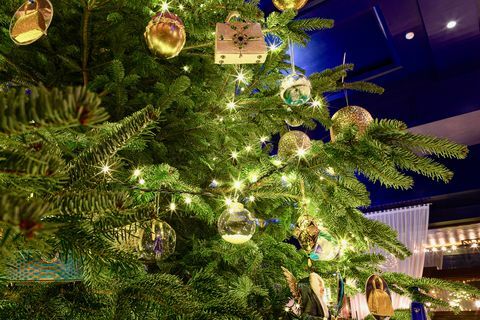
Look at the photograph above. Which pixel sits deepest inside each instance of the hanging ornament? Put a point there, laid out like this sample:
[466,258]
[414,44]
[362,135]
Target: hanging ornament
[289,4]
[295,89]
[348,116]
[340,294]
[308,295]
[378,297]
[306,231]
[326,248]
[158,241]
[31,21]
[165,35]
[239,42]
[293,142]
[419,312]
[236,224]
[292,122]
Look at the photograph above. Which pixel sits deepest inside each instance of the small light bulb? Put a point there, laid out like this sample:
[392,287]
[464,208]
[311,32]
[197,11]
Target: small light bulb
[263,139]
[237,184]
[277,162]
[474,245]
[274,46]
[428,304]
[231,105]
[315,104]
[106,169]
[409,35]
[141,182]
[240,77]
[477,304]
[287,309]
[454,247]
[137,172]
[214,184]
[186,68]
[248,148]
[31,195]
[234,155]
[181,7]
[165,6]
[173,206]
[301,152]
[444,249]
[253,178]
[251,198]
[434,249]
[188,200]
[228,201]
[451,24]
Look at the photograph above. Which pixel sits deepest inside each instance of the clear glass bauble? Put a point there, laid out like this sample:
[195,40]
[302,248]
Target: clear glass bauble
[236,224]
[326,248]
[158,241]
[295,90]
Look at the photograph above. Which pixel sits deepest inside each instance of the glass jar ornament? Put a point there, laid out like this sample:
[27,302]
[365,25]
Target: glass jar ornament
[350,116]
[236,224]
[158,241]
[31,21]
[165,35]
[293,143]
[295,90]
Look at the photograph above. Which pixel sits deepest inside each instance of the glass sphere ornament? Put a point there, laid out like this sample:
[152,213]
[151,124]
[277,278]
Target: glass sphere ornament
[236,224]
[348,116]
[390,262]
[293,142]
[326,248]
[289,4]
[31,21]
[295,90]
[158,241]
[306,231]
[165,35]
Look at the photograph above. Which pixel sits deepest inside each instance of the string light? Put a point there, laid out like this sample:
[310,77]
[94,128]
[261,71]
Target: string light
[214,183]
[186,68]
[253,177]
[172,206]
[263,139]
[248,148]
[228,201]
[301,152]
[188,200]
[474,245]
[454,247]
[234,155]
[277,162]
[165,6]
[251,198]
[316,104]
[141,182]
[137,172]
[231,105]
[241,77]
[181,7]
[237,184]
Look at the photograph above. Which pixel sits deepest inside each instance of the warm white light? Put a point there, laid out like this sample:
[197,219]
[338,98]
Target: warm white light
[274,46]
[409,35]
[234,155]
[444,248]
[454,247]
[214,183]
[228,201]
[106,169]
[301,152]
[451,24]
[315,104]
[477,304]
[253,177]
[173,206]
[474,245]
[248,148]
[181,7]
[141,182]
[277,162]
[240,77]
[263,139]
[164,6]
[434,249]
[428,304]
[137,172]
[186,68]
[330,171]
[231,105]
[237,184]
[188,200]
[251,198]
[287,309]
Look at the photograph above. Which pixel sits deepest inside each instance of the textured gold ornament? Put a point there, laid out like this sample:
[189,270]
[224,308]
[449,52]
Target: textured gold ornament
[165,35]
[289,4]
[348,116]
[31,22]
[291,142]
[306,231]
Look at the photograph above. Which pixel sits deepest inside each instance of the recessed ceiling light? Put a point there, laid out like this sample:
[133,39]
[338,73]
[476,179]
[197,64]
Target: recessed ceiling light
[451,24]
[409,35]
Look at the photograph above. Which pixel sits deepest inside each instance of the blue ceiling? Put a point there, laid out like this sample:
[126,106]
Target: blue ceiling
[433,76]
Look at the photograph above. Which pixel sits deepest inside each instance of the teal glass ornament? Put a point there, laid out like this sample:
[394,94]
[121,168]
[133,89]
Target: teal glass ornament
[295,90]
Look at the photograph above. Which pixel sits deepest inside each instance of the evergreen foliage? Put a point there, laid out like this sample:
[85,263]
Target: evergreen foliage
[67,182]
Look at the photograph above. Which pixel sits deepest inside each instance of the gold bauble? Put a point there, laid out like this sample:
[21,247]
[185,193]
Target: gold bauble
[291,142]
[348,116]
[31,22]
[165,35]
[289,4]
[306,231]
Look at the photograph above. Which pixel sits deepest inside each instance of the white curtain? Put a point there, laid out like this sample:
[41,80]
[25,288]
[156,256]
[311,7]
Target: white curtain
[411,223]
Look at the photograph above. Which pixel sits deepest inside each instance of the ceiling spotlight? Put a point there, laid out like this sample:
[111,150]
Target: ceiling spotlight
[451,24]
[409,35]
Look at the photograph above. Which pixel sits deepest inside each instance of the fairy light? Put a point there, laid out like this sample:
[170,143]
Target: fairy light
[316,104]
[186,68]
[474,245]
[287,309]
[237,184]
[454,247]
[228,201]
[188,200]
[240,77]
[165,6]
[172,206]
[477,304]
[251,198]
[214,183]
[274,46]
[434,249]
[263,139]
[277,162]
[253,177]
[301,152]
[248,148]
[234,155]
[231,105]
[141,182]
[444,248]
[181,7]
[137,172]
[330,171]
[106,169]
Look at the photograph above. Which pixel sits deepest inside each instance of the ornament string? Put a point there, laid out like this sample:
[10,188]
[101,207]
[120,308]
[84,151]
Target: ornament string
[343,79]
[292,56]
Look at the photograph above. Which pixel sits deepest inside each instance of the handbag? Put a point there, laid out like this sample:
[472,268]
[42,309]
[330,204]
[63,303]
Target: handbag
[29,26]
[379,302]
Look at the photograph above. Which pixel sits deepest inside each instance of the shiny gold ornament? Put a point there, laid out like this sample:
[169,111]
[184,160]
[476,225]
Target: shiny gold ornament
[306,231]
[31,21]
[289,4]
[165,35]
[293,143]
[348,116]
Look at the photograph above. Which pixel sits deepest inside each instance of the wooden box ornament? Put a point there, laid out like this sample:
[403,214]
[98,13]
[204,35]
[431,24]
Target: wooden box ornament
[239,42]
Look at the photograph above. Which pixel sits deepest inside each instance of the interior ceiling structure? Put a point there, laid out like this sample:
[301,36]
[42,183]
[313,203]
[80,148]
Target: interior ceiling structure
[431,81]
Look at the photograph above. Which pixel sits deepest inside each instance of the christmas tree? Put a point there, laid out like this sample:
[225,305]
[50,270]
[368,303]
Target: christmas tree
[104,142]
